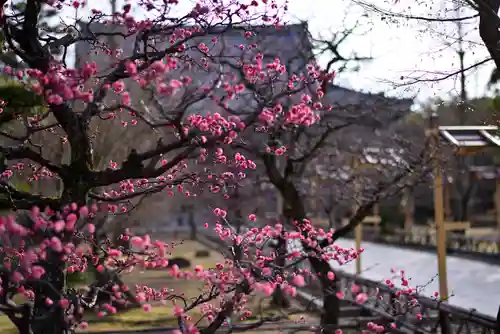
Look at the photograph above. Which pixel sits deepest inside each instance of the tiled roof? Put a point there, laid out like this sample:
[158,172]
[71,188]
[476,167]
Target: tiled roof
[287,42]
[383,156]
[486,172]
[290,43]
[471,136]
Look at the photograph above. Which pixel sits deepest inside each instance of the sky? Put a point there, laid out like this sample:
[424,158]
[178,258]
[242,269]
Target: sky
[401,49]
[404,48]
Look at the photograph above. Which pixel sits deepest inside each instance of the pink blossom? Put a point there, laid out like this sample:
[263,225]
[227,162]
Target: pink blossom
[178,311]
[37,272]
[299,281]
[137,242]
[56,244]
[64,303]
[84,211]
[59,225]
[111,100]
[361,298]
[17,277]
[71,221]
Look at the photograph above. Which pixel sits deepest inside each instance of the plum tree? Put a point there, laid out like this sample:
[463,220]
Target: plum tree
[180,94]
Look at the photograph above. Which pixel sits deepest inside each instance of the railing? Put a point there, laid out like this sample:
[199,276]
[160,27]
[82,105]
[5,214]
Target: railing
[485,248]
[416,313]
[403,313]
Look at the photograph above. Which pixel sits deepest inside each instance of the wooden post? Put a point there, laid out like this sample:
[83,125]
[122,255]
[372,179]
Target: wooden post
[314,207]
[279,205]
[332,219]
[447,201]
[497,204]
[497,329]
[408,209]
[439,208]
[376,213]
[113,45]
[280,201]
[359,236]
[359,229]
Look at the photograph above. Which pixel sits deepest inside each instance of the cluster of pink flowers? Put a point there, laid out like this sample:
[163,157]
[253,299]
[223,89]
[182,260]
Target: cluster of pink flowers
[60,85]
[67,236]
[73,233]
[67,239]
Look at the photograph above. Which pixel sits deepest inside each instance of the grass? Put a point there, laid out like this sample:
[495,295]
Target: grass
[158,279]
[161,315]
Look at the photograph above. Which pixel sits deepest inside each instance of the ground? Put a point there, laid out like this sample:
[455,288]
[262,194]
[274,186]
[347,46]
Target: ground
[162,315]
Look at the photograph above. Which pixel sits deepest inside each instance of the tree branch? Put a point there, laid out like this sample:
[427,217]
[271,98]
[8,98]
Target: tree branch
[381,188]
[11,198]
[134,169]
[319,144]
[381,11]
[26,153]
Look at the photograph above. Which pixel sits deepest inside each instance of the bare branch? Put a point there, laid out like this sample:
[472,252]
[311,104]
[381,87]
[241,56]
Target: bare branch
[378,10]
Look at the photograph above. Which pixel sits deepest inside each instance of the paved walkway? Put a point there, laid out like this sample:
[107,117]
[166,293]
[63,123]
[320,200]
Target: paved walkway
[474,284]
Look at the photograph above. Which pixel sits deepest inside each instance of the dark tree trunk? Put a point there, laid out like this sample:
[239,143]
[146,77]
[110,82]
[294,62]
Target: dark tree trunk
[331,304]
[279,299]
[192,225]
[488,30]
[465,186]
[464,202]
[107,280]
[49,327]
[331,218]
[294,211]
[464,209]
[50,319]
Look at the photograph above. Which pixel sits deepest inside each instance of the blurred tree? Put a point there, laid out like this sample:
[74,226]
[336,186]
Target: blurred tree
[48,24]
